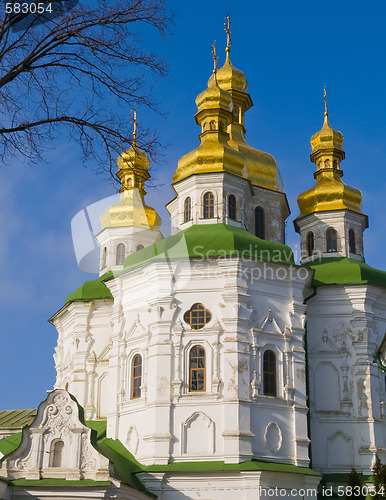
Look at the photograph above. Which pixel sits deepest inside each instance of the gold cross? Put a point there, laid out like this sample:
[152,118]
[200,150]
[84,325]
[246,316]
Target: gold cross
[134,118]
[325,99]
[227,23]
[214,52]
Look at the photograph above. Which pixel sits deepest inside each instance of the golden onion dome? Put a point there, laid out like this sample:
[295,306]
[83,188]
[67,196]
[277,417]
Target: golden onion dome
[329,191]
[133,166]
[327,138]
[230,78]
[214,153]
[261,168]
[214,98]
[133,157]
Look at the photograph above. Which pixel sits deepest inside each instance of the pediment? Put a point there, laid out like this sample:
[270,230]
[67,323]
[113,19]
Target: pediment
[325,345]
[270,325]
[57,444]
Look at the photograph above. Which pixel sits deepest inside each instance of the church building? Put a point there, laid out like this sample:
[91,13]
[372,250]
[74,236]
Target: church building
[208,364]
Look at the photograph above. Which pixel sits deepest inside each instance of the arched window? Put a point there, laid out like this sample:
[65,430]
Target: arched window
[310,243]
[104,258]
[269,373]
[197,369]
[208,205]
[187,209]
[120,258]
[136,377]
[232,206]
[57,454]
[259,223]
[212,125]
[331,240]
[351,241]
[139,247]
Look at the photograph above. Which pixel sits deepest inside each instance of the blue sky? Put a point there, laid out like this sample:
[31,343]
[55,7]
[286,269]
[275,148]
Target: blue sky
[288,50]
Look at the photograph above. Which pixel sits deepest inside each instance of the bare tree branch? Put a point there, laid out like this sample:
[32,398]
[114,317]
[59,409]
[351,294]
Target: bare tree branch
[83,70]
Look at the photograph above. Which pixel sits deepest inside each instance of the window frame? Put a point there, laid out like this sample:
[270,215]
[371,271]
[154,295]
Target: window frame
[134,377]
[187,209]
[310,251]
[331,233]
[259,213]
[197,369]
[208,211]
[232,207]
[119,246]
[104,257]
[270,373]
[352,246]
[207,316]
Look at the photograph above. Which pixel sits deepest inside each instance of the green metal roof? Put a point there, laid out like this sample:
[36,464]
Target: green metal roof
[196,242]
[344,271]
[15,419]
[249,465]
[91,290]
[10,443]
[212,241]
[124,464]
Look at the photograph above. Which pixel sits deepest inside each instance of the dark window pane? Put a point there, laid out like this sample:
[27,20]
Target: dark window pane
[259,222]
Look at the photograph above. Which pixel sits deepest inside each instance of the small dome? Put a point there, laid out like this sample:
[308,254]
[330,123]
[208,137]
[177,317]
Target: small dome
[214,97]
[327,138]
[230,78]
[133,157]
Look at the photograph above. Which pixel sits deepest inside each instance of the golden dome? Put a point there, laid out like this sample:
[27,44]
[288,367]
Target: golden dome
[327,138]
[214,154]
[131,211]
[261,168]
[329,191]
[214,97]
[133,157]
[230,78]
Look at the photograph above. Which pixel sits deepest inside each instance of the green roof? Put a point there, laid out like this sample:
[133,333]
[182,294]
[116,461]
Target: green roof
[10,443]
[91,290]
[212,240]
[124,464]
[15,419]
[249,465]
[344,271]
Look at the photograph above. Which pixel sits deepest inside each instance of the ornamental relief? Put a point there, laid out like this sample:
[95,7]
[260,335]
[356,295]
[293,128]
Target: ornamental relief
[57,421]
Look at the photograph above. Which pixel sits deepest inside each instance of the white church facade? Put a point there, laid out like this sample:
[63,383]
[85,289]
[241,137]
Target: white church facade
[208,364]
